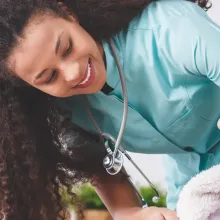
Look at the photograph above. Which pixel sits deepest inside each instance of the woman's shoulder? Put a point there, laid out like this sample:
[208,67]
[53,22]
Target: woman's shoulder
[167,23]
[164,13]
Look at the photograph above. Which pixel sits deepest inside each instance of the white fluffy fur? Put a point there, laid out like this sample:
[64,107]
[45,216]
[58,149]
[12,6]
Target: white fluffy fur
[200,198]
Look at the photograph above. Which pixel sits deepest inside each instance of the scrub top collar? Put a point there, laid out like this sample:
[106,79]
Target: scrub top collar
[113,77]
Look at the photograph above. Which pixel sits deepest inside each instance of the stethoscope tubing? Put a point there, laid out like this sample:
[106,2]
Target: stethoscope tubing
[117,147]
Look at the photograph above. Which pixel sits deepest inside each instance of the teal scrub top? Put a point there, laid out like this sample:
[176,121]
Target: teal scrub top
[170,55]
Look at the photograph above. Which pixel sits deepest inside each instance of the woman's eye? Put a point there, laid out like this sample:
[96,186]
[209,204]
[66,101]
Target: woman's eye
[68,50]
[51,78]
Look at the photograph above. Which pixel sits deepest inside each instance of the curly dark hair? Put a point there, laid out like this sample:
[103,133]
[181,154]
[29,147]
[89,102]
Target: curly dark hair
[40,149]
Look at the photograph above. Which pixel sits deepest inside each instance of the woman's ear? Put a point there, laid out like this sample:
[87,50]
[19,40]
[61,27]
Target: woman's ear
[68,10]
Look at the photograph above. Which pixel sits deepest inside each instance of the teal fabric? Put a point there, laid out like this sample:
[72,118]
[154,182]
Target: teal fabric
[170,55]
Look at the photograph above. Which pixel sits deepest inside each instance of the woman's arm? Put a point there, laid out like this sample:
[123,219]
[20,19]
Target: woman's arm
[124,204]
[117,194]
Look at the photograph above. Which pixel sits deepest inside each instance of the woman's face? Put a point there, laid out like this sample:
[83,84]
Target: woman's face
[58,57]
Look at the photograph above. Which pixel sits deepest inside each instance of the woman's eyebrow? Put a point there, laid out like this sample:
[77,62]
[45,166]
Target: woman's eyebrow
[58,43]
[56,51]
[40,74]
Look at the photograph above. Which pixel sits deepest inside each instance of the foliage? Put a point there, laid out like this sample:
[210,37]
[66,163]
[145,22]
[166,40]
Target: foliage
[90,198]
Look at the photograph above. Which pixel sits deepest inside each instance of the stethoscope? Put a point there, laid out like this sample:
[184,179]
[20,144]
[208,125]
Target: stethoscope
[113,161]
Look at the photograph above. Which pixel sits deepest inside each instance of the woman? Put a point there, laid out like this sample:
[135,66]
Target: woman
[162,51]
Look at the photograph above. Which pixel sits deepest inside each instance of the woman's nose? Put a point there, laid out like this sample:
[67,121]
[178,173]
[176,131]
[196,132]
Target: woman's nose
[71,72]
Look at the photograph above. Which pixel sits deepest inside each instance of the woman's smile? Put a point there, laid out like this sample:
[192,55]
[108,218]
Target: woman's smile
[89,76]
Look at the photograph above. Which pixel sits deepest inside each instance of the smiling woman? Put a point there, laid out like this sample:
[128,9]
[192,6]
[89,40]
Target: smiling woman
[41,46]
[71,63]
[36,156]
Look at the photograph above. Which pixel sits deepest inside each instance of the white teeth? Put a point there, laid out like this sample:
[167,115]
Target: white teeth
[88,75]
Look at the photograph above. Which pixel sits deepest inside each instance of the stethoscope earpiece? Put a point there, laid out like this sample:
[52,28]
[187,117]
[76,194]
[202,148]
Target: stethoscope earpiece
[155,199]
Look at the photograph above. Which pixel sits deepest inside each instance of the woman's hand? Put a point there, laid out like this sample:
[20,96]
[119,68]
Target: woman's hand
[149,213]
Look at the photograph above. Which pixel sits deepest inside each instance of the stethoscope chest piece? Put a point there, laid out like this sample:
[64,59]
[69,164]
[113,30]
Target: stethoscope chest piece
[112,164]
